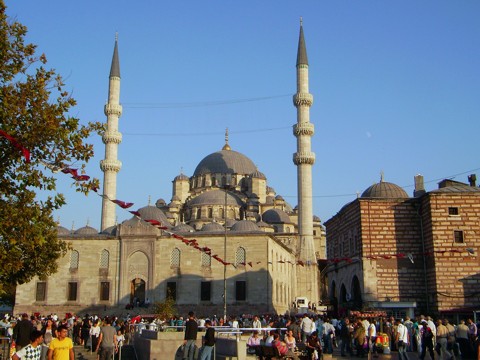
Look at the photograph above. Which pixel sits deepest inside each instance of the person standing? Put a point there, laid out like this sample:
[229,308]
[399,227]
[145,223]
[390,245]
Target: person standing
[461,334]
[22,332]
[442,340]
[346,332]
[427,340]
[191,330]
[61,347]
[32,351]
[307,326]
[208,341]
[107,341]
[402,340]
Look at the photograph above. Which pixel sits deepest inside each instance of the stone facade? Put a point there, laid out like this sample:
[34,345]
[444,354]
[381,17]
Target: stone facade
[406,254]
[226,205]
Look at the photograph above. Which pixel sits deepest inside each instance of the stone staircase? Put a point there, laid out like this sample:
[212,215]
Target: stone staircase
[128,353]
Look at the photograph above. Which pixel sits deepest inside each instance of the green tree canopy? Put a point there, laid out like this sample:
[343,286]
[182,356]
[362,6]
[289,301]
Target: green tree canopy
[34,115]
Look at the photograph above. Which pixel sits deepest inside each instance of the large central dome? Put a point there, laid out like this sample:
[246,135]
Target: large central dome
[225,162]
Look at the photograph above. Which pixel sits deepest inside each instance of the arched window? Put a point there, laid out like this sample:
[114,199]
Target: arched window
[199,213]
[234,181]
[222,213]
[214,181]
[104,259]
[175,258]
[240,256]
[224,180]
[206,260]
[74,259]
[210,213]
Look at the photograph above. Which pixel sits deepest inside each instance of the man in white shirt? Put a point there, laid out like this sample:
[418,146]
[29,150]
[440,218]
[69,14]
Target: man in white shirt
[401,339]
[306,325]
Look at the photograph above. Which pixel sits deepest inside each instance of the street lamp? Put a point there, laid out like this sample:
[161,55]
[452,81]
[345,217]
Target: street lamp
[225,257]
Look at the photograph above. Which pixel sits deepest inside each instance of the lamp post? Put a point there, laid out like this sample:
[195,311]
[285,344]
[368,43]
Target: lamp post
[225,257]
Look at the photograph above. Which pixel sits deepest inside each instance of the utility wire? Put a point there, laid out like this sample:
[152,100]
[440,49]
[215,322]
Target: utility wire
[199,104]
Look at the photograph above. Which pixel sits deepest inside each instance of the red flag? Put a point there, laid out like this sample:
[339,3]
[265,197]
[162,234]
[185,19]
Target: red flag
[154,222]
[15,143]
[123,204]
[81,177]
[136,213]
[67,170]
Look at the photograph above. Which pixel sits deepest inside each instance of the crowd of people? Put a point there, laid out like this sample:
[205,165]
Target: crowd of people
[51,337]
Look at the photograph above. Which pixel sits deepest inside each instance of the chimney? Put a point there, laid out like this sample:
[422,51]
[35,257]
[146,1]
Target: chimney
[472,179]
[419,187]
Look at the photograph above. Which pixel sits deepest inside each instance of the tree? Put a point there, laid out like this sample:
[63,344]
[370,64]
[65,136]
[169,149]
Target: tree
[165,309]
[34,107]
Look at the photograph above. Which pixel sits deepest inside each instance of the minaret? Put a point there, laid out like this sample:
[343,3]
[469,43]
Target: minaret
[111,138]
[304,158]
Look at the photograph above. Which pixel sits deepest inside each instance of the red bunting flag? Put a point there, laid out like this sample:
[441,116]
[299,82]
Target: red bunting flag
[81,178]
[123,204]
[136,213]
[16,144]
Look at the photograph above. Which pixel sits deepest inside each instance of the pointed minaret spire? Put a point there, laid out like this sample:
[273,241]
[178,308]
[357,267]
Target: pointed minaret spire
[304,159]
[111,138]
[226,146]
[302,50]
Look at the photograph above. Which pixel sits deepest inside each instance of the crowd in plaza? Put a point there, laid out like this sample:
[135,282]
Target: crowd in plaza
[51,337]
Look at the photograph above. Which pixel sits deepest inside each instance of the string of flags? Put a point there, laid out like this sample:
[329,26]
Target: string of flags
[193,242]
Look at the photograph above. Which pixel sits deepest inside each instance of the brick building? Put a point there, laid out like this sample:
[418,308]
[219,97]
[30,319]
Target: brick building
[404,254]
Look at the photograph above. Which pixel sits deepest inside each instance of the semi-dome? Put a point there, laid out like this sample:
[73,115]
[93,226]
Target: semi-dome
[63,230]
[275,216]
[385,190]
[153,213]
[245,226]
[86,230]
[213,227]
[225,162]
[215,197]
[160,202]
[183,228]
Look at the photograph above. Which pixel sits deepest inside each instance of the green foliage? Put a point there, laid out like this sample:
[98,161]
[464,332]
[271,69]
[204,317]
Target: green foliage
[165,309]
[34,109]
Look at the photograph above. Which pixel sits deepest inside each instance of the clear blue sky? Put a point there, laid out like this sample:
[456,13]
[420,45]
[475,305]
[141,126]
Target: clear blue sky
[396,88]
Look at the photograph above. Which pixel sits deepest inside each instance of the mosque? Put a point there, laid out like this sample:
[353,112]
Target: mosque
[225,244]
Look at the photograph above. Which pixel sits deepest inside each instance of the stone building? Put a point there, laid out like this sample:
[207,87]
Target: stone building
[268,249]
[406,255]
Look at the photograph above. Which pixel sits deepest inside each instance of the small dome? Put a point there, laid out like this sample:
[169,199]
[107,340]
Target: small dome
[245,226]
[86,230]
[316,218]
[225,162]
[62,231]
[153,213]
[183,228]
[258,175]
[176,198]
[275,216]
[181,177]
[160,202]
[270,190]
[112,230]
[279,198]
[215,197]
[385,190]
[213,227]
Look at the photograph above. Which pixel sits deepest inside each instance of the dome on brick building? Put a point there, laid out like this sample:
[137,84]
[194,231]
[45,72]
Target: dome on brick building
[112,230]
[385,190]
[181,177]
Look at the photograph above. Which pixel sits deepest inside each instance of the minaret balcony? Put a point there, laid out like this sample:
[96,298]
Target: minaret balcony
[110,137]
[307,129]
[304,157]
[110,165]
[302,99]
[113,109]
